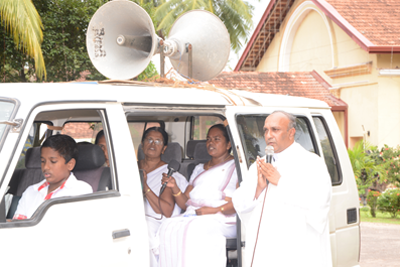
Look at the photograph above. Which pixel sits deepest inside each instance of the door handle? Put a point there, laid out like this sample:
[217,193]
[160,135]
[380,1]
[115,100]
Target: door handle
[121,233]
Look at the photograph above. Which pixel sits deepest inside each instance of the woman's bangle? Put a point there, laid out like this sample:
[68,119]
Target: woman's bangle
[148,190]
[177,194]
[222,209]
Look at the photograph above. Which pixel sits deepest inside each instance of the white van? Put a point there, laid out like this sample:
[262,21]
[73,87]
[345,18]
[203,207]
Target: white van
[108,227]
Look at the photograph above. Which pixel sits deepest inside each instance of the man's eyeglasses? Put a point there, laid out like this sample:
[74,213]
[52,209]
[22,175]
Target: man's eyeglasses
[156,142]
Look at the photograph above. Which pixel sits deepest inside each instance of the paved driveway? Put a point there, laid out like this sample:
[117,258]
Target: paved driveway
[380,245]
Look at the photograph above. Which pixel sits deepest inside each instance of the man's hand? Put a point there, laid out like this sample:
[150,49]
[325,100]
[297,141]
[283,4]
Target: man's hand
[267,171]
[262,183]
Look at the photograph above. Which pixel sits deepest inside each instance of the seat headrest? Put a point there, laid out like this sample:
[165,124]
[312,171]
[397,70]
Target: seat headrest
[173,151]
[190,147]
[200,153]
[89,157]
[32,158]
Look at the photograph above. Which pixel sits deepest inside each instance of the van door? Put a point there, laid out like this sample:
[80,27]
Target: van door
[246,125]
[344,220]
[105,228]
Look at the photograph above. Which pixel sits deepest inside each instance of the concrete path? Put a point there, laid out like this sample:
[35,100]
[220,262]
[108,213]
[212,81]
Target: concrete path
[380,245]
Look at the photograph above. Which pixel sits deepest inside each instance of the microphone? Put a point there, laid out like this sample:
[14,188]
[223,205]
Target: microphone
[173,166]
[269,153]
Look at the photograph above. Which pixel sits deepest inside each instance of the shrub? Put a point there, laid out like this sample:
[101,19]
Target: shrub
[372,201]
[364,209]
[366,169]
[389,201]
[391,155]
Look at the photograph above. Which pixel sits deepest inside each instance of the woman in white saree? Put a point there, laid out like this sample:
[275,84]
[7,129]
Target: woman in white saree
[157,208]
[198,237]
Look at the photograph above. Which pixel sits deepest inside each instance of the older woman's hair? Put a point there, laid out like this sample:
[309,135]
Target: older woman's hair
[291,117]
[222,128]
[98,136]
[157,129]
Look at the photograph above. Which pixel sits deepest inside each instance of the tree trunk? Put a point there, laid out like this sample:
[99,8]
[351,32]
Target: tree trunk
[22,73]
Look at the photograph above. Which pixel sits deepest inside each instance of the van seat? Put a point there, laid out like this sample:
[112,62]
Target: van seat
[200,156]
[90,167]
[33,170]
[32,174]
[190,147]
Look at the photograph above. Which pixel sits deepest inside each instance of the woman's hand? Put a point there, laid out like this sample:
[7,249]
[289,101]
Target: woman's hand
[171,182]
[206,210]
[144,181]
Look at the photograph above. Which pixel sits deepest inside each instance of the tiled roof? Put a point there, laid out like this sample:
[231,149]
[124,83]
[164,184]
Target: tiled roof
[377,20]
[302,84]
[373,24]
[264,33]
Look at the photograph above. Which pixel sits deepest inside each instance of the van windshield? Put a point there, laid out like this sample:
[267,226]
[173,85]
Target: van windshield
[6,109]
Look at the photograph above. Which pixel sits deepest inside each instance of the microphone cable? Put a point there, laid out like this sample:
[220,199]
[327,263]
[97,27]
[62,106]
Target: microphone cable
[161,211]
[258,230]
[268,151]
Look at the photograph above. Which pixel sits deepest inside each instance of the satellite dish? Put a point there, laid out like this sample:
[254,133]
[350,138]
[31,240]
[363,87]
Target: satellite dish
[121,42]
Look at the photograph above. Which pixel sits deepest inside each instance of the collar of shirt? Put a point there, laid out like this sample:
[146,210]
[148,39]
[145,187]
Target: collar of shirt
[285,152]
[43,188]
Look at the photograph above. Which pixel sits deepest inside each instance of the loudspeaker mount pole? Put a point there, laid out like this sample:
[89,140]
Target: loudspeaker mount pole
[190,60]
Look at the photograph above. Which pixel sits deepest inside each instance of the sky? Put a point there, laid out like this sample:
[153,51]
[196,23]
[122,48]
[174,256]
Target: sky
[259,8]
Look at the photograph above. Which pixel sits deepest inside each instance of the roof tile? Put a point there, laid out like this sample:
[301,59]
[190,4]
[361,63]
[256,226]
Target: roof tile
[302,84]
[377,20]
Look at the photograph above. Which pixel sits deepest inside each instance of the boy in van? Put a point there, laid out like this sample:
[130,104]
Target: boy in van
[58,156]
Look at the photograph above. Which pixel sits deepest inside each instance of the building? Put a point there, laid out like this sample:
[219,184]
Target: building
[353,45]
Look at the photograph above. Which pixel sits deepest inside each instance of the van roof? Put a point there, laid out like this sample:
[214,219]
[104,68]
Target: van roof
[34,93]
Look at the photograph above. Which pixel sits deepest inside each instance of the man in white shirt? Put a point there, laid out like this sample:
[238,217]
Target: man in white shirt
[284,205]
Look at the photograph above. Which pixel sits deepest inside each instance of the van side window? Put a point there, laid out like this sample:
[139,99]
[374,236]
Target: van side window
[328,150]
[200,126]
[252,135]
[89,168]
[82,131]
[137,129]
[7,108]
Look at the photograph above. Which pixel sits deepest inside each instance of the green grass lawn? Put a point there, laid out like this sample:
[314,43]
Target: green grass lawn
[380,217]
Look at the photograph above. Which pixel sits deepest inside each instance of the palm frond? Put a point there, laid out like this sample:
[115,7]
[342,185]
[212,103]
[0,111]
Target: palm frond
[23,22]
[235,14]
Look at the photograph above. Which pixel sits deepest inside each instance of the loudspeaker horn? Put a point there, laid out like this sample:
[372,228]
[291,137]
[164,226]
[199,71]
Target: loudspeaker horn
[121,42]
[210,43]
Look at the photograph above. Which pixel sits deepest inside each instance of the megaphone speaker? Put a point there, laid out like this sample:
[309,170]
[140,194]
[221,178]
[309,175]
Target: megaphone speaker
[121,39]
[121,42]
[210,43]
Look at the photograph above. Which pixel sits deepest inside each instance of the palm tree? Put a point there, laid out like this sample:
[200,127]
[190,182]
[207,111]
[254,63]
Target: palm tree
[23,22]
[235,14]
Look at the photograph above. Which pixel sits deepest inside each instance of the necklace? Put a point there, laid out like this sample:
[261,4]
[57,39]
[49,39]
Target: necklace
[209,163]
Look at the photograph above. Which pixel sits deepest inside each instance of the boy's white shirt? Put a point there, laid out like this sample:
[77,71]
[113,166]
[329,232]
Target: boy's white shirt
[32,198]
